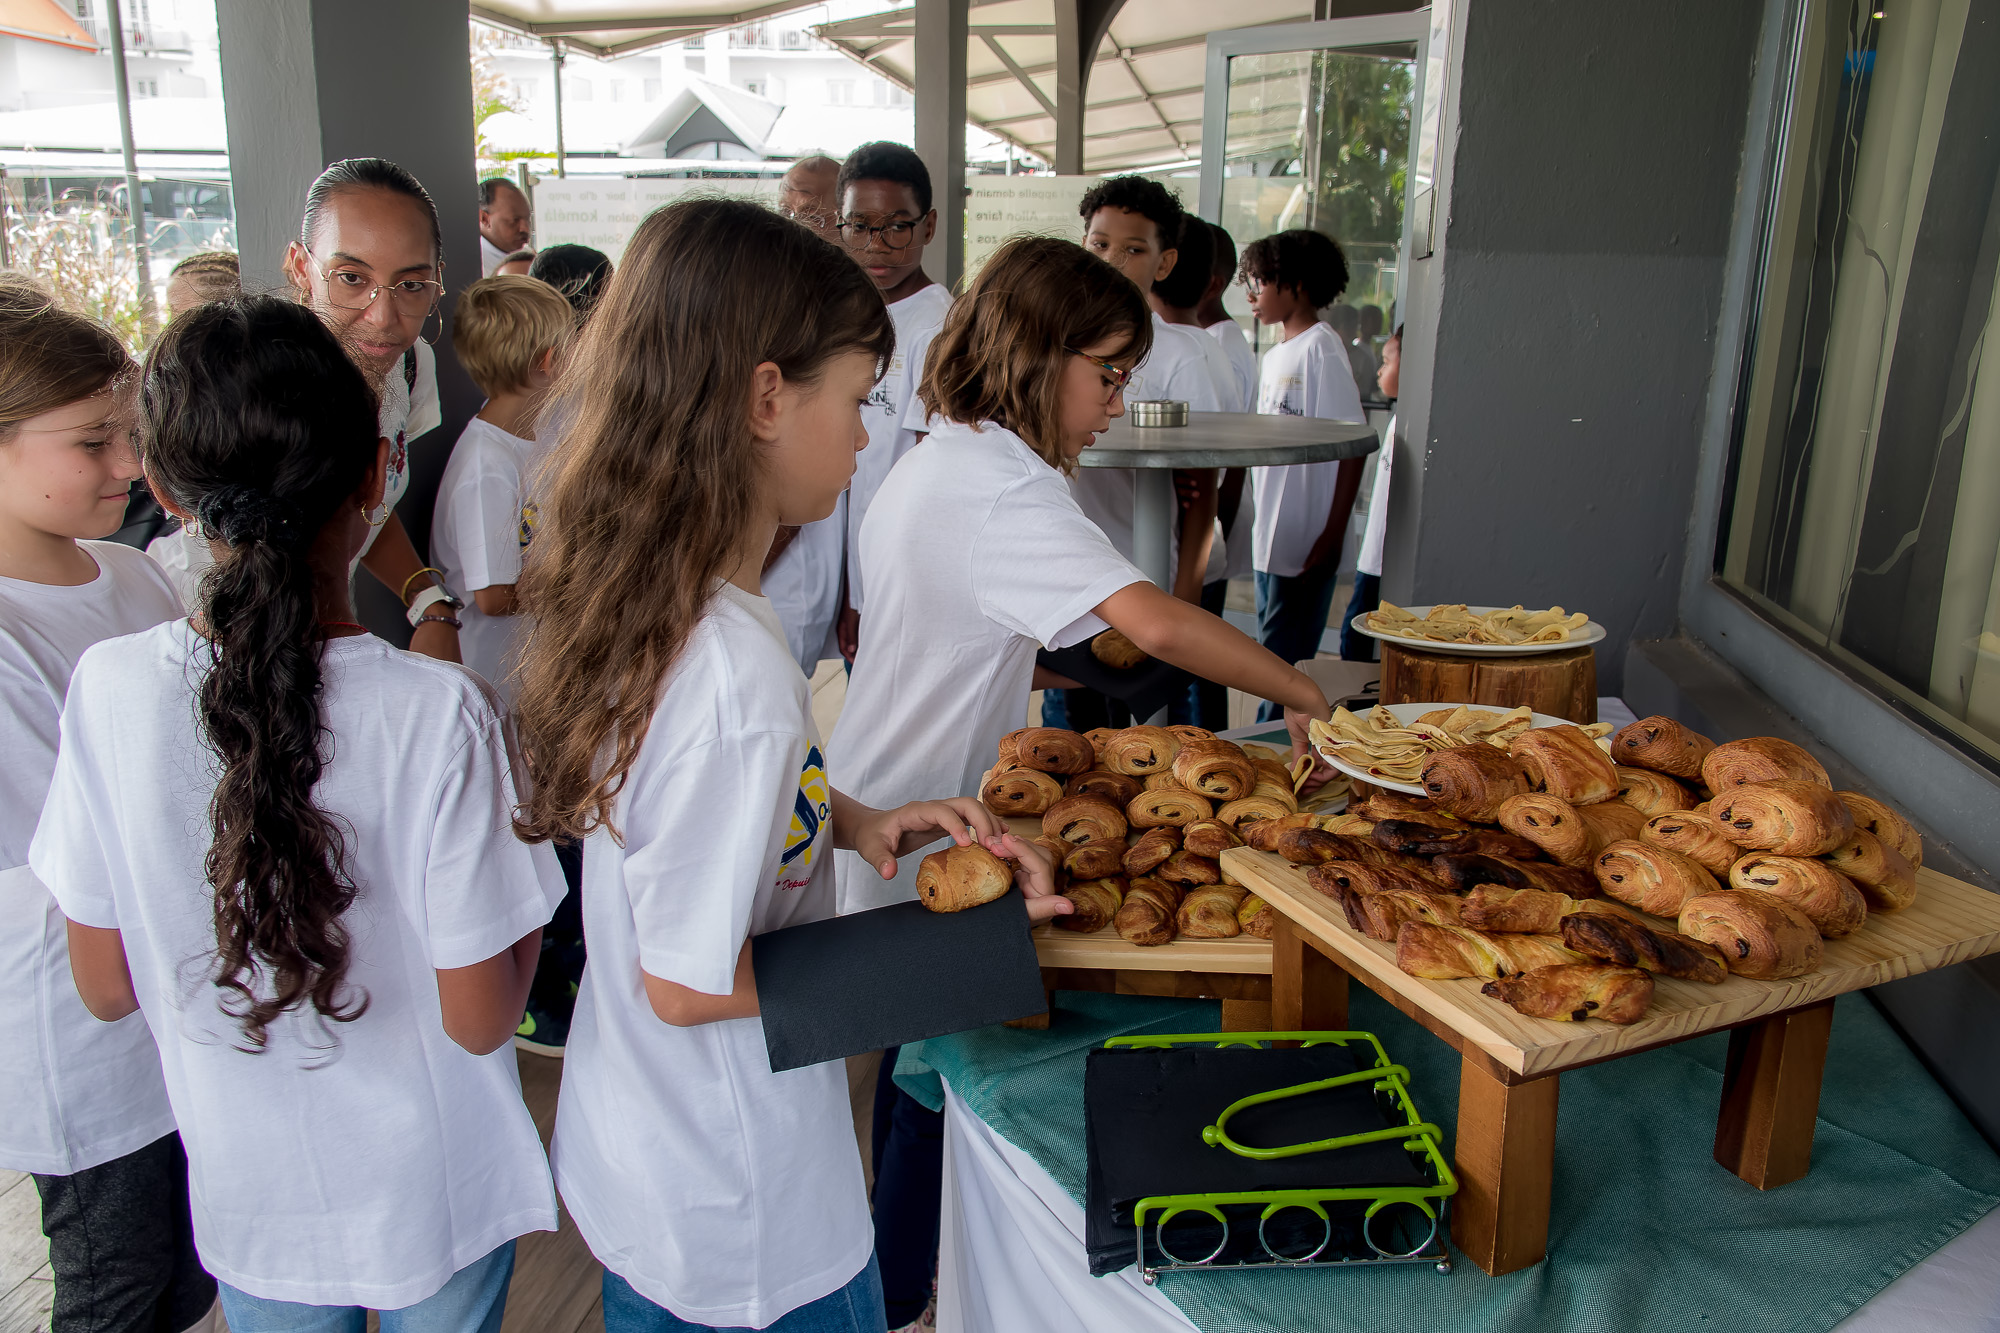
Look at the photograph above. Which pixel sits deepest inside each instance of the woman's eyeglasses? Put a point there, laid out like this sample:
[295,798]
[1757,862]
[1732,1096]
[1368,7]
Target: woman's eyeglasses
[355,291]
[895,234]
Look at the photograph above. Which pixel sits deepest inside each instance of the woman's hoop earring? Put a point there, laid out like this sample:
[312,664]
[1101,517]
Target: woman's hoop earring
[366,515]
[437,310]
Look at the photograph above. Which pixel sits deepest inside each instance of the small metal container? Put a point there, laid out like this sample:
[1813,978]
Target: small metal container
[1157,412]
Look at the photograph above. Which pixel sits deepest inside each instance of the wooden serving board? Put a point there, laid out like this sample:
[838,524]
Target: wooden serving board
[1561,684]
[1950,922]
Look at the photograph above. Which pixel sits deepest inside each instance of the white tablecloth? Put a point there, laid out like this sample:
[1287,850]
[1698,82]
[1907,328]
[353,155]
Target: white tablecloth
[1010,1259]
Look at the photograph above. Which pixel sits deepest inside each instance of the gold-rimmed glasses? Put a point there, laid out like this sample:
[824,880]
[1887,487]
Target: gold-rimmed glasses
[351,289]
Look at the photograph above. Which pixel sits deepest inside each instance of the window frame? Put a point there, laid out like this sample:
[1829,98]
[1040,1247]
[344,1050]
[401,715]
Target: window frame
[1917,764]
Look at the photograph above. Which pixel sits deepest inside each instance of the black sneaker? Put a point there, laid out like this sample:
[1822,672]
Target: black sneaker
[542,1031]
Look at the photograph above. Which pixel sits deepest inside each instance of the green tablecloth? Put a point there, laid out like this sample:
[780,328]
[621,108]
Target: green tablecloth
[1647,1231]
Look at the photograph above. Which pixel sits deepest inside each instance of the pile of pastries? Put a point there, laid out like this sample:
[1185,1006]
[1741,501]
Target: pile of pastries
[1135,819]
[1457,624]
[1682,858]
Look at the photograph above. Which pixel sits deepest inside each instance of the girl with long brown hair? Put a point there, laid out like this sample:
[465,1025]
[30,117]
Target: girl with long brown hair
[289,846]
[717,395]
[82,1103]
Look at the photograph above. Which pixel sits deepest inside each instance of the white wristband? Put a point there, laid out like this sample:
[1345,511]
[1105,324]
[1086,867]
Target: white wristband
[426,599]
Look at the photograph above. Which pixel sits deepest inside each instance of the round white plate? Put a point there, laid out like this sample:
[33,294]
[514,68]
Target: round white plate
[1592,632]
[1408,713]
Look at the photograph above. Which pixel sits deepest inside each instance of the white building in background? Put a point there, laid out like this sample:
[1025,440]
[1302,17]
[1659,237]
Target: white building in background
[56,53]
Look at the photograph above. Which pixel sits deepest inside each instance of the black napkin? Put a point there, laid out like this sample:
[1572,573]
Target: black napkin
[1144,1111]
[1145,689]
[835,988]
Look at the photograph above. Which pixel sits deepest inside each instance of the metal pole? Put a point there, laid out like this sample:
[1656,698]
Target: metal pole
[556,58]
[6,241]
[941,35]
[135,201]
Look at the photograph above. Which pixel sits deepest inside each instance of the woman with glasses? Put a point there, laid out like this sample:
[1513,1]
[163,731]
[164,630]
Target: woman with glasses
[369,261]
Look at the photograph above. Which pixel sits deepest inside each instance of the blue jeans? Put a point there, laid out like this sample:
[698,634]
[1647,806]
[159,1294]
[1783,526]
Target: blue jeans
[1207,703]
[1291,615]
[855,1308]
[471,1302]
[1355,646]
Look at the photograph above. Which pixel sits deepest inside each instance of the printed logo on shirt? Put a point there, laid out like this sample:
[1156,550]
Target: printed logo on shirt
[399,457]
[812,808]
[1279,400]
[531,518]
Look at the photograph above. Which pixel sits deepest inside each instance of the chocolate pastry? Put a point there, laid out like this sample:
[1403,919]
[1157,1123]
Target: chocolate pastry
[1463,873]
[1651,878]
[1885,878]
[1572,992]
[1098,859]
[1566,764]
[1760,936]
[1095,902]
[1827,897]
[1255,916]
[1878,819]
[1084,819]
[1188,870]
[961,877]
[1209,912]
[1216,769]
[1471,781]
[1209,837]
[1759,759]
[1525,911]
[1442,953]
[1167,807]
[1618,939]
[1661,745]
[1785,816]
[1139,751]
[1020,792]
[1414,839]
[1113,787]
[1146,917]
[1696,835]
[1652,793]
[1151,850]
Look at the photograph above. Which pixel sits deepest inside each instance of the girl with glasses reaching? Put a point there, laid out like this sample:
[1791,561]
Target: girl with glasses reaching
[369,261]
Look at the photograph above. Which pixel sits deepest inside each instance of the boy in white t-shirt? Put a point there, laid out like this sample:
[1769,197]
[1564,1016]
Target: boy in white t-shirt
[1302,508]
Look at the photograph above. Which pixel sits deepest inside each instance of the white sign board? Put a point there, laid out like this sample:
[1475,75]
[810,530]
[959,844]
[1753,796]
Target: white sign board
[603,211]
[1000,207]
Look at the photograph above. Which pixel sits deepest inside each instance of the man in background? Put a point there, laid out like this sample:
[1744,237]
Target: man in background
[806,195]
[504,223]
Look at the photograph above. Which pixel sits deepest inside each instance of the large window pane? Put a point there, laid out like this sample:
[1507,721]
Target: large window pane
[1866,481]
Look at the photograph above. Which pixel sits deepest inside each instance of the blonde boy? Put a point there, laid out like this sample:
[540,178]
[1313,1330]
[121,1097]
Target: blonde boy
[509,334]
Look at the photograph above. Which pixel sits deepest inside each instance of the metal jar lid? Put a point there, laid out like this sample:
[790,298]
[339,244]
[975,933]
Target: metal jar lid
[1157,412]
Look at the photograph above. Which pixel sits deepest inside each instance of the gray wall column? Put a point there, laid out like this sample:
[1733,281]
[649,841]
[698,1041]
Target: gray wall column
[1080,29]
[940,112]
[309,82]
[1558,344]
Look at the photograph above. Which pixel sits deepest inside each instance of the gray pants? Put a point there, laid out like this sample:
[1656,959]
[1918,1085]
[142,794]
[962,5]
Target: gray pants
[122,1245]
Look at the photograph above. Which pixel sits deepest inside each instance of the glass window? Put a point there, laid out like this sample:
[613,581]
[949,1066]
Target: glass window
[1864,514]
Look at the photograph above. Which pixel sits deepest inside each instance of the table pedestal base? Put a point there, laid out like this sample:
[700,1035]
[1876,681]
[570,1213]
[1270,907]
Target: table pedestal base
[1770,1096]
[1505,1156]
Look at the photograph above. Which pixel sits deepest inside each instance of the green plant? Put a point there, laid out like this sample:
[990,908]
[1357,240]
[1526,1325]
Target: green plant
[82,251]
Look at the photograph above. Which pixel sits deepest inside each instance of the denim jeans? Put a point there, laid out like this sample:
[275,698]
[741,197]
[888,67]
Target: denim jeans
[855,1308]
[1291,615]
[471,1302]
[1355,646]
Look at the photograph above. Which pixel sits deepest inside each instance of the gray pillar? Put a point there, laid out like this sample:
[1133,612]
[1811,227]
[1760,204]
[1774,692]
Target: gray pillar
[308,82]
[940,113]
[1080,29]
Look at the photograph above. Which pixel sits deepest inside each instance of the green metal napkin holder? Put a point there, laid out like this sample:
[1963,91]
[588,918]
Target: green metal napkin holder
[1418,1136]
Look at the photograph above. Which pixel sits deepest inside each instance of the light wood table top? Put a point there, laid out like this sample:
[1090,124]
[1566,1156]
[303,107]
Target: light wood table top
[1950,922]
[1231,439]
[1106,948]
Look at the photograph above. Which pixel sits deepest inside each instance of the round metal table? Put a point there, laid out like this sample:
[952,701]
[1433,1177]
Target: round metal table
[1211,439]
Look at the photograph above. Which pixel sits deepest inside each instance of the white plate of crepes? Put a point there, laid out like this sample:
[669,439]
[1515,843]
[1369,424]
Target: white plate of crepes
[1489,631]
[1386,746]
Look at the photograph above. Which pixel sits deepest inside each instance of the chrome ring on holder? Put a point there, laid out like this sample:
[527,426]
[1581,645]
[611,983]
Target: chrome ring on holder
[1317,1250]
[1160,1237]
[1368,1220]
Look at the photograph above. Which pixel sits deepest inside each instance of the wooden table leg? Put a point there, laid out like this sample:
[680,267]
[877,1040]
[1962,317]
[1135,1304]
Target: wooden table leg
[1506,1163]
[1770,1096]
[1308,990]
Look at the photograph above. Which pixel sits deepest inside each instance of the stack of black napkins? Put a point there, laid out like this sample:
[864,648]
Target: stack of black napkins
[1144,1111]
[1145,688]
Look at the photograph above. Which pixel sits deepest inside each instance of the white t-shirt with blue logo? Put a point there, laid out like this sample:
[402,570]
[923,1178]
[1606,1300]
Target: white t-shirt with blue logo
[726,1193]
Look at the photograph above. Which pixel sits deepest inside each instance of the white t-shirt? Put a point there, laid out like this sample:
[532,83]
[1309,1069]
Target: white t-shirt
[491,256]
[1229,336]
[1376,532]
[1178,367]
[477,538]
[1306,376]
[74,1092]
[406,412]
[726,1193]
[357,1163]
[803,585]
[894,415]
[977,553]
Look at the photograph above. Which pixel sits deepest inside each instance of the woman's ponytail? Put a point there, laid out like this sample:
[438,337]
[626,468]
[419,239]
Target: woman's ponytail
[259,426]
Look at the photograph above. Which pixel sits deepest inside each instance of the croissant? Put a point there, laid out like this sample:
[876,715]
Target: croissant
[1827,897]
[1760,936]
[1146,917]
[1566,764]
[1184,732]
[1116,651]
[1353,825]
[1335,879]
[961,877]
[1650,877]
[1260,830]
[1661,745]
[1096,859]
[1255,916]
[1097,736]
[1442,953]
[1572,992]
[1057,852]
[1462,873]
[1523,911]
[1618,939]
[1472,780]
[1759,759]
[1095,902]
[1886,879]
[1008,749]
[1271,791]
[1652,793]
[1695,835]
[1084,819]
[1209,837]
[1209,912]
[1168,806]
[1215,769]
[1151,850]
[1785,816]
[1139,751]
[1113,787]
[1381,804]
[1020,791]
[1309,846]
[1380,916]
[1553,825]
[1414,839]
[1878,819]
[1053,750]
[1608,821]
[1189,871]
[1341,847]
